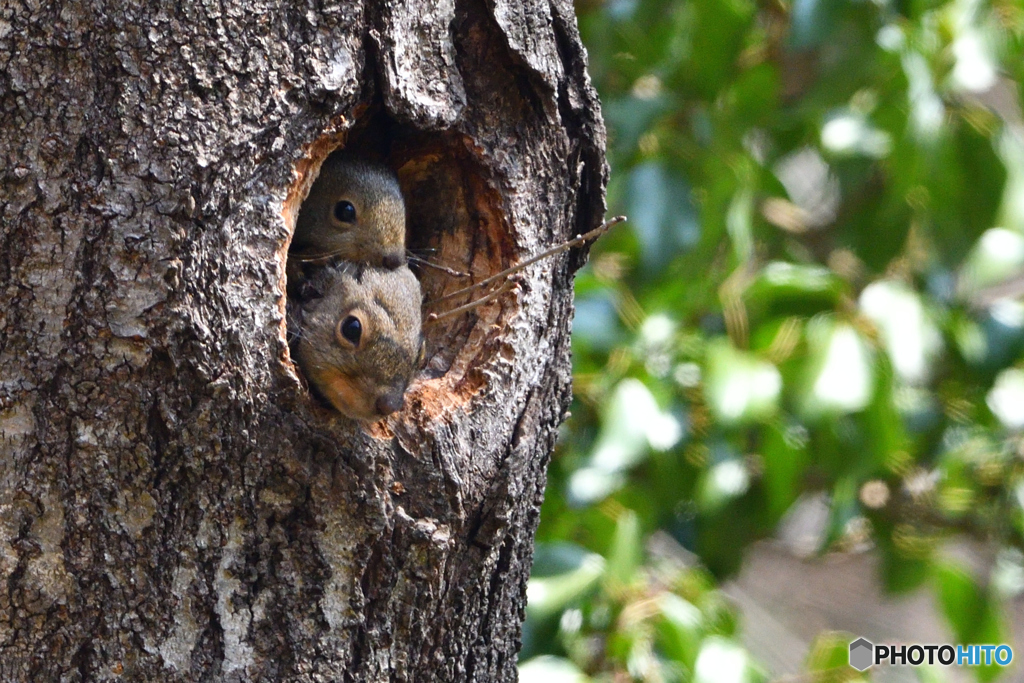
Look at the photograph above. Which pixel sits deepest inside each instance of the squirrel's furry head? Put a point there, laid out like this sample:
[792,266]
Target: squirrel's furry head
[355,212]
[361,341]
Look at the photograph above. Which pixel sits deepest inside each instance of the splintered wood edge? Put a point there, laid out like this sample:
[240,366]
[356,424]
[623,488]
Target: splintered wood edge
[304,173]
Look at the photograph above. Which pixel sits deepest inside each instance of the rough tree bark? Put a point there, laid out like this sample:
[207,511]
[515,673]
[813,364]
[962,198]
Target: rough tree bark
[173,503]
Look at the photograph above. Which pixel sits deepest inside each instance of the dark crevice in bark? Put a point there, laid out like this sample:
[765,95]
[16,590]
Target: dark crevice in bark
[590,206]
[476,665]
[159,434]
[376,581]
[81,661]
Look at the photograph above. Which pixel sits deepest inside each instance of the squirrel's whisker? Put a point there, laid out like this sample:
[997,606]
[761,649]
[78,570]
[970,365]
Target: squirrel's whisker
[313,258]
[565,246]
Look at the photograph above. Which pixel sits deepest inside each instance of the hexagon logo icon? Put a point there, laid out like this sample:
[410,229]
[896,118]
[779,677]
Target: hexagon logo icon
[861,654]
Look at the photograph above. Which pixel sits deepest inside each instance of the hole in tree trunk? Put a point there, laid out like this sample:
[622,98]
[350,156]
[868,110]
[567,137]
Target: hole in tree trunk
[454,219]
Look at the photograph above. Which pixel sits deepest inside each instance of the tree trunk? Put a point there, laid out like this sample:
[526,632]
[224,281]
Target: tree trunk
[174,505]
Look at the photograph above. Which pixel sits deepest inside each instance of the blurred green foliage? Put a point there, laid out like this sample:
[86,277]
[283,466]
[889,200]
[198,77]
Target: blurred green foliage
[819,295]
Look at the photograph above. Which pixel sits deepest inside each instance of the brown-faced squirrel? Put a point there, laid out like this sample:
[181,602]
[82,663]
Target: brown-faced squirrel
[354,307]
[359,339]
[354,212]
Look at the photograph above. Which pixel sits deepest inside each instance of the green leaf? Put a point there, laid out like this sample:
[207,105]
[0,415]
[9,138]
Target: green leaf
[562,574]
[626,552]
[829,658]
[739,387]
[786,288]
[901,571]
[838,377]
[717,38]
[549,669]
[972,613]
[680,629]
[785,459]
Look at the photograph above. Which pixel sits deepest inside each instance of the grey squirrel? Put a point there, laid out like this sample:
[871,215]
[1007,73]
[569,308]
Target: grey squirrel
[360,341]
[354,212]
[354,307]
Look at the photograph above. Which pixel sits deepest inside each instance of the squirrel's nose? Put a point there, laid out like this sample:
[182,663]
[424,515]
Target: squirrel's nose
[390,403]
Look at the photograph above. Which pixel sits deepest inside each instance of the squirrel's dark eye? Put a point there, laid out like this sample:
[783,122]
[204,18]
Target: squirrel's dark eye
[345,212]
[351,329]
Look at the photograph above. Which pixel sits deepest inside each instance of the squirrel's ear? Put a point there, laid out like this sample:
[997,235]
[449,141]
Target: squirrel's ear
[308,291]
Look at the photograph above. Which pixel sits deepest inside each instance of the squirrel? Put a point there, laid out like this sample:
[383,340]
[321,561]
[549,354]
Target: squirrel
[354,212]
[359,336]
